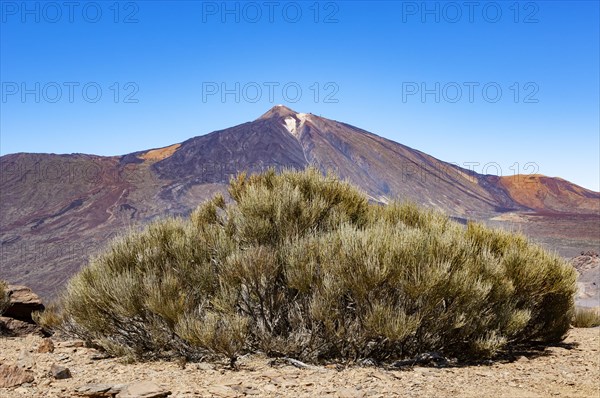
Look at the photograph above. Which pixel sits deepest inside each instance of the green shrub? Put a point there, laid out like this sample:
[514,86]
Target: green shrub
[299,264]
[50,318]
[586,318]
[4,298]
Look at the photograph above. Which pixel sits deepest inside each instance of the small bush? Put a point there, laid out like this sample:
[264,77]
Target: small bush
[586,318]
[4,298]
[50,318]
[301,265]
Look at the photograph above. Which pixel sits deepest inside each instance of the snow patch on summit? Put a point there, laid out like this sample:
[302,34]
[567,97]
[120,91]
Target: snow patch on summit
[303,117]
[293,124]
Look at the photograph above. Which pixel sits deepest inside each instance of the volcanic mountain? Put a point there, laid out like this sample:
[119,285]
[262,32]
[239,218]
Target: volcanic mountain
[56,210]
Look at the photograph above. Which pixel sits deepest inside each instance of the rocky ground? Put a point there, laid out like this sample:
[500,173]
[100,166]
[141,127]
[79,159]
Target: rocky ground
[33,366]
[569,370]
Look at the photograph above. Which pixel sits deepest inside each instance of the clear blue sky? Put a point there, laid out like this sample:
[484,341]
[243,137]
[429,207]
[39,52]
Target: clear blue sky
[158,65]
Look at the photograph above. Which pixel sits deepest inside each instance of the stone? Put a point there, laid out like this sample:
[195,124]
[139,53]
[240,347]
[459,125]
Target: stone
[23,301]
[144,389]
[98,356]
[426,359]
[60,372]
[71,344]
[205,366]
[100,390]
[46,346]
[13,375]
[367,362]
[11,327]
[25,360]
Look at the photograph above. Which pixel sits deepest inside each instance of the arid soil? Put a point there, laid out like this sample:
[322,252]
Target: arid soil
[569,370]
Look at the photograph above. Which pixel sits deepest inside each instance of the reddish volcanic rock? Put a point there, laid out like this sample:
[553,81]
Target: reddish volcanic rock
[23,301]
[13,375]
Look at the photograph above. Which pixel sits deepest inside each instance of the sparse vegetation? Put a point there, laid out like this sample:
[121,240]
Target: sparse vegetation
[301,265]
[586,318]
[4,299]
[50,318]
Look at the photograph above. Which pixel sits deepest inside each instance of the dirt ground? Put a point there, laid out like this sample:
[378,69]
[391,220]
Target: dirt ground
[569,370]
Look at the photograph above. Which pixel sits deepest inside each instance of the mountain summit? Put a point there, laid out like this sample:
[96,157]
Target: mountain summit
[56,210]
[278,111]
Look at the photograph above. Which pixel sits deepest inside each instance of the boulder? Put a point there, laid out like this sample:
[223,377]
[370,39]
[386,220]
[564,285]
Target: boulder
[23,301]
[13,375]
[15,328]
